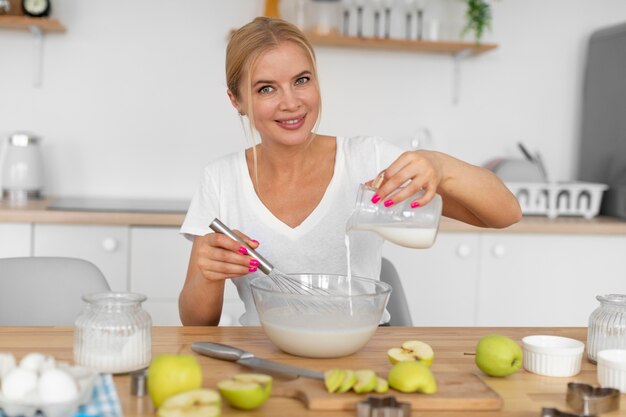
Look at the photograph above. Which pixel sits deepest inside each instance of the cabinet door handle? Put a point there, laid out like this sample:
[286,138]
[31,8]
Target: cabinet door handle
[109,244]
[463,250]
[498,250]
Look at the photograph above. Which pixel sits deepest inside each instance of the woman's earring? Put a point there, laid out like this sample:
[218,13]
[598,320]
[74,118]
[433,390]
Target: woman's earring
[242,114]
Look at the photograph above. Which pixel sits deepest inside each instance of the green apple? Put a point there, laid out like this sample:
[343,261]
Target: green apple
[193,403]
[333,379]
[349,379]
[498,355]
[412,376]
[171,374]
[382,386]
[246,391]
[412,350]
[366,380]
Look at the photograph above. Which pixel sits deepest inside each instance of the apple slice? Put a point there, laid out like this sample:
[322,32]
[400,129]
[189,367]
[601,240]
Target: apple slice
[246,391]
[348,382]
[199,402]
[422,351]
[396,355]
[366,380]
[382,386]
[333,379]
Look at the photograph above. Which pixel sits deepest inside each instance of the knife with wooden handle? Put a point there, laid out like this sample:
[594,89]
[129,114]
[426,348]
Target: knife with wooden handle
[233,354]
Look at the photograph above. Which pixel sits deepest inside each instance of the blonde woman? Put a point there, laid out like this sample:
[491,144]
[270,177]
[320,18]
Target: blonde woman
[291,193]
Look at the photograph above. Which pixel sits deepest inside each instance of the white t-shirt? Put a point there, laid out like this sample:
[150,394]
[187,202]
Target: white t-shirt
[317,245]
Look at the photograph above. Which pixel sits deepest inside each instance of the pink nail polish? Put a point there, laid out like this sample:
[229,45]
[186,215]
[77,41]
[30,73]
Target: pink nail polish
[376,198]
[254,262]
[255,241]
[415,204]
[243,250]
[252,269]
[388,203]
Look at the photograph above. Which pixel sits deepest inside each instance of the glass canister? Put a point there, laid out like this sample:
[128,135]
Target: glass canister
[607,325]
[324,16]
[113,333]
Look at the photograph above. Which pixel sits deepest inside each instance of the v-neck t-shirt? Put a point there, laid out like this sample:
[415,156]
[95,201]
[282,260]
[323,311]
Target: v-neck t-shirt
[317,245]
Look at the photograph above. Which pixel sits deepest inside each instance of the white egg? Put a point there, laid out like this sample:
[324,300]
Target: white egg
[56,386]
[7,363]
[18,382]
[37,362]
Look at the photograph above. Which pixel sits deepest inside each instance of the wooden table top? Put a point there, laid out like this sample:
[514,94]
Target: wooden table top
[524,393]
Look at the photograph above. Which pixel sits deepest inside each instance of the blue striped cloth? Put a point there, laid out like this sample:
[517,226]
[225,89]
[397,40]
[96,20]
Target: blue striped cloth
[104,400]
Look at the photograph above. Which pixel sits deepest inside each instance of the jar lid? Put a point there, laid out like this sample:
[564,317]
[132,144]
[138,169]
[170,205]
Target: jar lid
[616,299]
[23,139]
[112,297]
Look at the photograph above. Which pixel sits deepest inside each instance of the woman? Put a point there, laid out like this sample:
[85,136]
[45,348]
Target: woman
[295,190]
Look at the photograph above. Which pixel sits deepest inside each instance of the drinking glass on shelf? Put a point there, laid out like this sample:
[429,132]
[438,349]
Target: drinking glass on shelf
[388,7]
[409,8]
[360,4]
[377,6]
[346,10]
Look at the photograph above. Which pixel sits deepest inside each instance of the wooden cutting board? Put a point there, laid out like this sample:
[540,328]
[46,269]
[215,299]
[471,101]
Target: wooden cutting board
[456,391]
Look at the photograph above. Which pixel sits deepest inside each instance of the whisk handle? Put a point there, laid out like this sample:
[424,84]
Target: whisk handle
[219,227]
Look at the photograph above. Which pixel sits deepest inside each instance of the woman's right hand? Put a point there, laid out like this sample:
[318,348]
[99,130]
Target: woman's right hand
[220,257]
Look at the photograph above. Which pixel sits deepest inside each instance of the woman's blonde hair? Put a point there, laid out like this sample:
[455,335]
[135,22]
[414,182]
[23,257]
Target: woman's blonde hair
[245,47]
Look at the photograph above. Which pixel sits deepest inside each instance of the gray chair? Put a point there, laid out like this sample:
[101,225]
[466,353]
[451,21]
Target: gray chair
[46,291]
[397,306]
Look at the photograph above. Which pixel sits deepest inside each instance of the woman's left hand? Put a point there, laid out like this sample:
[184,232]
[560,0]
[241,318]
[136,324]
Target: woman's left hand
[424,170]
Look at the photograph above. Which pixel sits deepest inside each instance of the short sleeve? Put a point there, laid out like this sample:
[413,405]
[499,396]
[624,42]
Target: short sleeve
[203,208]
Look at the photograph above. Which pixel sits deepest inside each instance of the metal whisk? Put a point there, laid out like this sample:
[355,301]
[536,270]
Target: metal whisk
[283,282]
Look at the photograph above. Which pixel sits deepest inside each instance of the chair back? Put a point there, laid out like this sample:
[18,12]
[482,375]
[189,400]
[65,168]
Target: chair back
[46,291]
[397,306]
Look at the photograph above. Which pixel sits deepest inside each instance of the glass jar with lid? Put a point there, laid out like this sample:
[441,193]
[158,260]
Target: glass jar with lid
[607,325]
[113,333]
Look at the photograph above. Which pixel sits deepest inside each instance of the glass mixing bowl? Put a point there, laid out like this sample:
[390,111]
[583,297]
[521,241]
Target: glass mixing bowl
[330,325]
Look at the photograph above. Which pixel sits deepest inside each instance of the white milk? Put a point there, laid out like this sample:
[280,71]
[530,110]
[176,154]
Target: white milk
[319,343]
[410,237]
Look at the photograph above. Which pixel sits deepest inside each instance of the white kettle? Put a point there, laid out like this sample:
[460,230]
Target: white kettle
[22,170]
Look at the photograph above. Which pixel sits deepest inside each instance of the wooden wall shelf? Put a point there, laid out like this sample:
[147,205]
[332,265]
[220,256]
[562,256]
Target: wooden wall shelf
[441,47]
[28,23]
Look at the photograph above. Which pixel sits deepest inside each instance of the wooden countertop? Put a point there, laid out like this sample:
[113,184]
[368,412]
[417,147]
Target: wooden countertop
[36,212]
[523,394]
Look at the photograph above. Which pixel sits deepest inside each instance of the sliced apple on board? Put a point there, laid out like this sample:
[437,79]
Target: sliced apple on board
[412,350]
[246,391]
[412,376]
[360,381]
[200,402]
[366,381]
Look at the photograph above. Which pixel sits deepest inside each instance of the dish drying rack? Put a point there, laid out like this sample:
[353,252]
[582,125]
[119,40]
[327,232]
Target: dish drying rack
[555,199]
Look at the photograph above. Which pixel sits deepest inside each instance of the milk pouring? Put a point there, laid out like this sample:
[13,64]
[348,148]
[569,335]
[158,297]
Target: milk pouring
[401,224]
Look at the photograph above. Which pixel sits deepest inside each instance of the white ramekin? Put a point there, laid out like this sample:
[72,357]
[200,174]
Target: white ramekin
[552,355]
[612,369]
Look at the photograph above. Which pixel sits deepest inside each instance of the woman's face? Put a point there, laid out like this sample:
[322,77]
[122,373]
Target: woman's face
[284,95]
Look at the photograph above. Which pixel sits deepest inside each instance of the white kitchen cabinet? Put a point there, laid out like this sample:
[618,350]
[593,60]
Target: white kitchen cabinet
[547,280]
[159,257]
[104,246]
[15,239]
[439,282]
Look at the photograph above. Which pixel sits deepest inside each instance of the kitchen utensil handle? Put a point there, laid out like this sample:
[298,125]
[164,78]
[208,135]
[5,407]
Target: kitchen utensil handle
[219,227]
[525,152]
[220,351]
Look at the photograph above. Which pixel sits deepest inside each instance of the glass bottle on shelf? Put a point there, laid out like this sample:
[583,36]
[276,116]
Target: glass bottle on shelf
[325,16]
[113,333]
[607,325]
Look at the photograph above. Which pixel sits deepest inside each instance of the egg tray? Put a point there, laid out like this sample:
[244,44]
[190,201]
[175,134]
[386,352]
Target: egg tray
[31,405]
[555,199]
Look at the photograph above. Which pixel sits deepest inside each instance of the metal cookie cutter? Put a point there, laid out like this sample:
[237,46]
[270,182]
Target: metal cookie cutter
[591,400]
[555,412]
[382,407]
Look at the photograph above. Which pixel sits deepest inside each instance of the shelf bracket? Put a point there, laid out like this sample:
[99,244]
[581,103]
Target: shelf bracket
[456,76]
[38,55]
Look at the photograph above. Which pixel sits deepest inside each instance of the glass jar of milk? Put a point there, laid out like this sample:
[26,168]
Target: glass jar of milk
[607,325]
[400,223]
[113,333]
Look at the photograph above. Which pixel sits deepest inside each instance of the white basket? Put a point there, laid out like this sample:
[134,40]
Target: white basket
[554,199]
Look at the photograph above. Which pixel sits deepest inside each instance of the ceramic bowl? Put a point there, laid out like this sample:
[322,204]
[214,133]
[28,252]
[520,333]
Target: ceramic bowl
[552,355]
[336,319]
[612,369]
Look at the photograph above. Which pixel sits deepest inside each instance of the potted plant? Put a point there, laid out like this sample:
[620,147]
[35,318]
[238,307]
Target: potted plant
[478,18]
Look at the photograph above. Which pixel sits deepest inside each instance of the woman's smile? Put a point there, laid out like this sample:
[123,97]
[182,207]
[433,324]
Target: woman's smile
[292,123]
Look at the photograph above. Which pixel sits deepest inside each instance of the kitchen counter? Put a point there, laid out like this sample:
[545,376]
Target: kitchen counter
[523,394]
[37,211]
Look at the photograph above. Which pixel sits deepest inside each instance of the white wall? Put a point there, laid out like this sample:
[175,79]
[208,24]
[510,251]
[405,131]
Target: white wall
[133,99]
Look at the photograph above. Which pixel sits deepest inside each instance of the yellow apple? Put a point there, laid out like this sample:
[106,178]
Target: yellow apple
[412,350]
[412,377]
[498,355]
[170,374]
[246,391]
[193,403]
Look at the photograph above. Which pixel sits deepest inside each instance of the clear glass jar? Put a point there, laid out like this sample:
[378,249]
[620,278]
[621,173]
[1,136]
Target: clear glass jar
[113,333]
[607,325]
[325,16]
